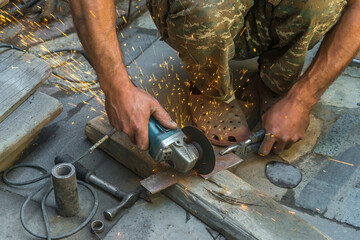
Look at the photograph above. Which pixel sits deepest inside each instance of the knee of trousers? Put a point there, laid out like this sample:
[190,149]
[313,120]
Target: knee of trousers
[314,13]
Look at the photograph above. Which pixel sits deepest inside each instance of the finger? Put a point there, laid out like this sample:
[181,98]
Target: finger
[278,147]
[267,144]
[130,134]
[142,137]
[162,116]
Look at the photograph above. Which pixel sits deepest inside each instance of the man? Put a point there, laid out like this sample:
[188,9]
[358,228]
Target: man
[207,34]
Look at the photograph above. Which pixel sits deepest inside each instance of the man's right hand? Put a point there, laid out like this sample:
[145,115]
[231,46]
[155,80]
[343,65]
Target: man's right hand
[129,109]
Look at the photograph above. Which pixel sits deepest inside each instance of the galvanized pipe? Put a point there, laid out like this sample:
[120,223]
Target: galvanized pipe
[65,189]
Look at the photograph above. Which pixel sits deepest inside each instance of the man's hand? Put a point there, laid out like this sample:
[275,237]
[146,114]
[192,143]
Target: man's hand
[285,123]
[129,110]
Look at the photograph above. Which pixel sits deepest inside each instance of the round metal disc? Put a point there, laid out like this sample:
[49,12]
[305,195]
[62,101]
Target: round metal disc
[206,162]
[283,174]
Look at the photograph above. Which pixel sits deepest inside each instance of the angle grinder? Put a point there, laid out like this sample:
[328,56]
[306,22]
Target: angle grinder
[183,149]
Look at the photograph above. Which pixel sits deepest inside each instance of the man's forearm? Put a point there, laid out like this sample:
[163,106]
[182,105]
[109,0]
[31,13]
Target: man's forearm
[338,48]
[95,24]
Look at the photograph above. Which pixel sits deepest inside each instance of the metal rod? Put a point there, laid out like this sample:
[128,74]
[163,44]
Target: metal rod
[107,187]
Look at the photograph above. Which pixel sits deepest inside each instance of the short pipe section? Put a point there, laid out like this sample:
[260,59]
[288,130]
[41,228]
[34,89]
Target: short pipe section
[65,189]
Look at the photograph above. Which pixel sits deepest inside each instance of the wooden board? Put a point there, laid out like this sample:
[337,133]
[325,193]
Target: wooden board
[262,218]
[20,75]
[19,129]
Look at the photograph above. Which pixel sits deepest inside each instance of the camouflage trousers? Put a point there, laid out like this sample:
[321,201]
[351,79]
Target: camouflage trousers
[209,33]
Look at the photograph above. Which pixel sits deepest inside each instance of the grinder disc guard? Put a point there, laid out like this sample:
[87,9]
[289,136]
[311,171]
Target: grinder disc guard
[206,162]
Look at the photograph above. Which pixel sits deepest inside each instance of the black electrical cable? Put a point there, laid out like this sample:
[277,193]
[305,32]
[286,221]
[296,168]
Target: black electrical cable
[17,10]
[50,188]
[68,50]
[4,45]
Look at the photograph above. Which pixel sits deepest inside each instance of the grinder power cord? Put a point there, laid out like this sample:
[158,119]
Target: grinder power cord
[46,175]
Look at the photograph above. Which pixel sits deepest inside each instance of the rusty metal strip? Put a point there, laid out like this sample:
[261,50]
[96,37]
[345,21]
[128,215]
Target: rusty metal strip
[163,179]
[223,162]
[168,177]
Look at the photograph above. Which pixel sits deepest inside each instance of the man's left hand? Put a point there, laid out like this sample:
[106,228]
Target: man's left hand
[285,123]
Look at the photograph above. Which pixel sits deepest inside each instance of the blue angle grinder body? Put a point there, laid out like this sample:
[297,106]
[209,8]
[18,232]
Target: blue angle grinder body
[184,149]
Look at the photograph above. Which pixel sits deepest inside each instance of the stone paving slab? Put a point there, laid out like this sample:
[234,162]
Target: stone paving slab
[161,220]
[322,189]
[330,144]
[332,228]
[134,41]
[10,227]
[345,206]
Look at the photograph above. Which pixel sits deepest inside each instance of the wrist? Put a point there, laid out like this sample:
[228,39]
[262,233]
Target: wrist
[117,82]
[303,95]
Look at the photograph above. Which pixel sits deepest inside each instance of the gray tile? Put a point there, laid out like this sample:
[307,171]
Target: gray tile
[333,178]
[330,144]
[134,41]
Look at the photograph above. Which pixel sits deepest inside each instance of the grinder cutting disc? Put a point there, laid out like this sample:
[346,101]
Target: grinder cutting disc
[206,162]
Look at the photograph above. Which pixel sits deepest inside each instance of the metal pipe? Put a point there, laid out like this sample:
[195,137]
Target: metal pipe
[65,189]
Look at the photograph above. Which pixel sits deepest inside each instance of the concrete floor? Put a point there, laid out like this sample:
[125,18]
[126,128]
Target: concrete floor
[163,219]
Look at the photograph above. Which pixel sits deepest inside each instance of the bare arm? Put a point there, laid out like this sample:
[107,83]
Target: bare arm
[288,119]
[128,108]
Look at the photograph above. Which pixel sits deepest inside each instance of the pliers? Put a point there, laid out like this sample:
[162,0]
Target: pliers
[247,146]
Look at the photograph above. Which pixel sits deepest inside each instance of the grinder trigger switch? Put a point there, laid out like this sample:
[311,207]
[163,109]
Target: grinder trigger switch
[183,149]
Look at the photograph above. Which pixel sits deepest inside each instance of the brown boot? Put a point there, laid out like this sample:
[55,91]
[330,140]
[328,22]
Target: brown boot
[223,123]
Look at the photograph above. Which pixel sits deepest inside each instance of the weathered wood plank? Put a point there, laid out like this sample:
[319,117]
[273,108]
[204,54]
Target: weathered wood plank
[20,75]
[266,219]
[19,129]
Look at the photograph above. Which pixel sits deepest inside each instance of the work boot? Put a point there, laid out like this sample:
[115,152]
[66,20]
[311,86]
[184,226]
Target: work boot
[223,123]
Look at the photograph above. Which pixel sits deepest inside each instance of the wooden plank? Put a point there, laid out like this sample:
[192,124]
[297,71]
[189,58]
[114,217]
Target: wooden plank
[20,75]
[262,218]
[19,129]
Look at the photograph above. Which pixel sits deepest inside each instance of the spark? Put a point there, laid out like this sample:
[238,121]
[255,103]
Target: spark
[244,207]
[242,31]
[92,13]
[350,164]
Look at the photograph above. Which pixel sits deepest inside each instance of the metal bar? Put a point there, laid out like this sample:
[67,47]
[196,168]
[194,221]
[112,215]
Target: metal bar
[355,62]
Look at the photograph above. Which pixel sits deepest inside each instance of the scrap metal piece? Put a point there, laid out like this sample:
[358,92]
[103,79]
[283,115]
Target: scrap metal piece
[96,227]
[283,174]
[223,163]
[168,177]
[65,189]
[163,179]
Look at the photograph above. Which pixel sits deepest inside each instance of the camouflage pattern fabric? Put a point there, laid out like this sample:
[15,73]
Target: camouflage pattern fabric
[208,33]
